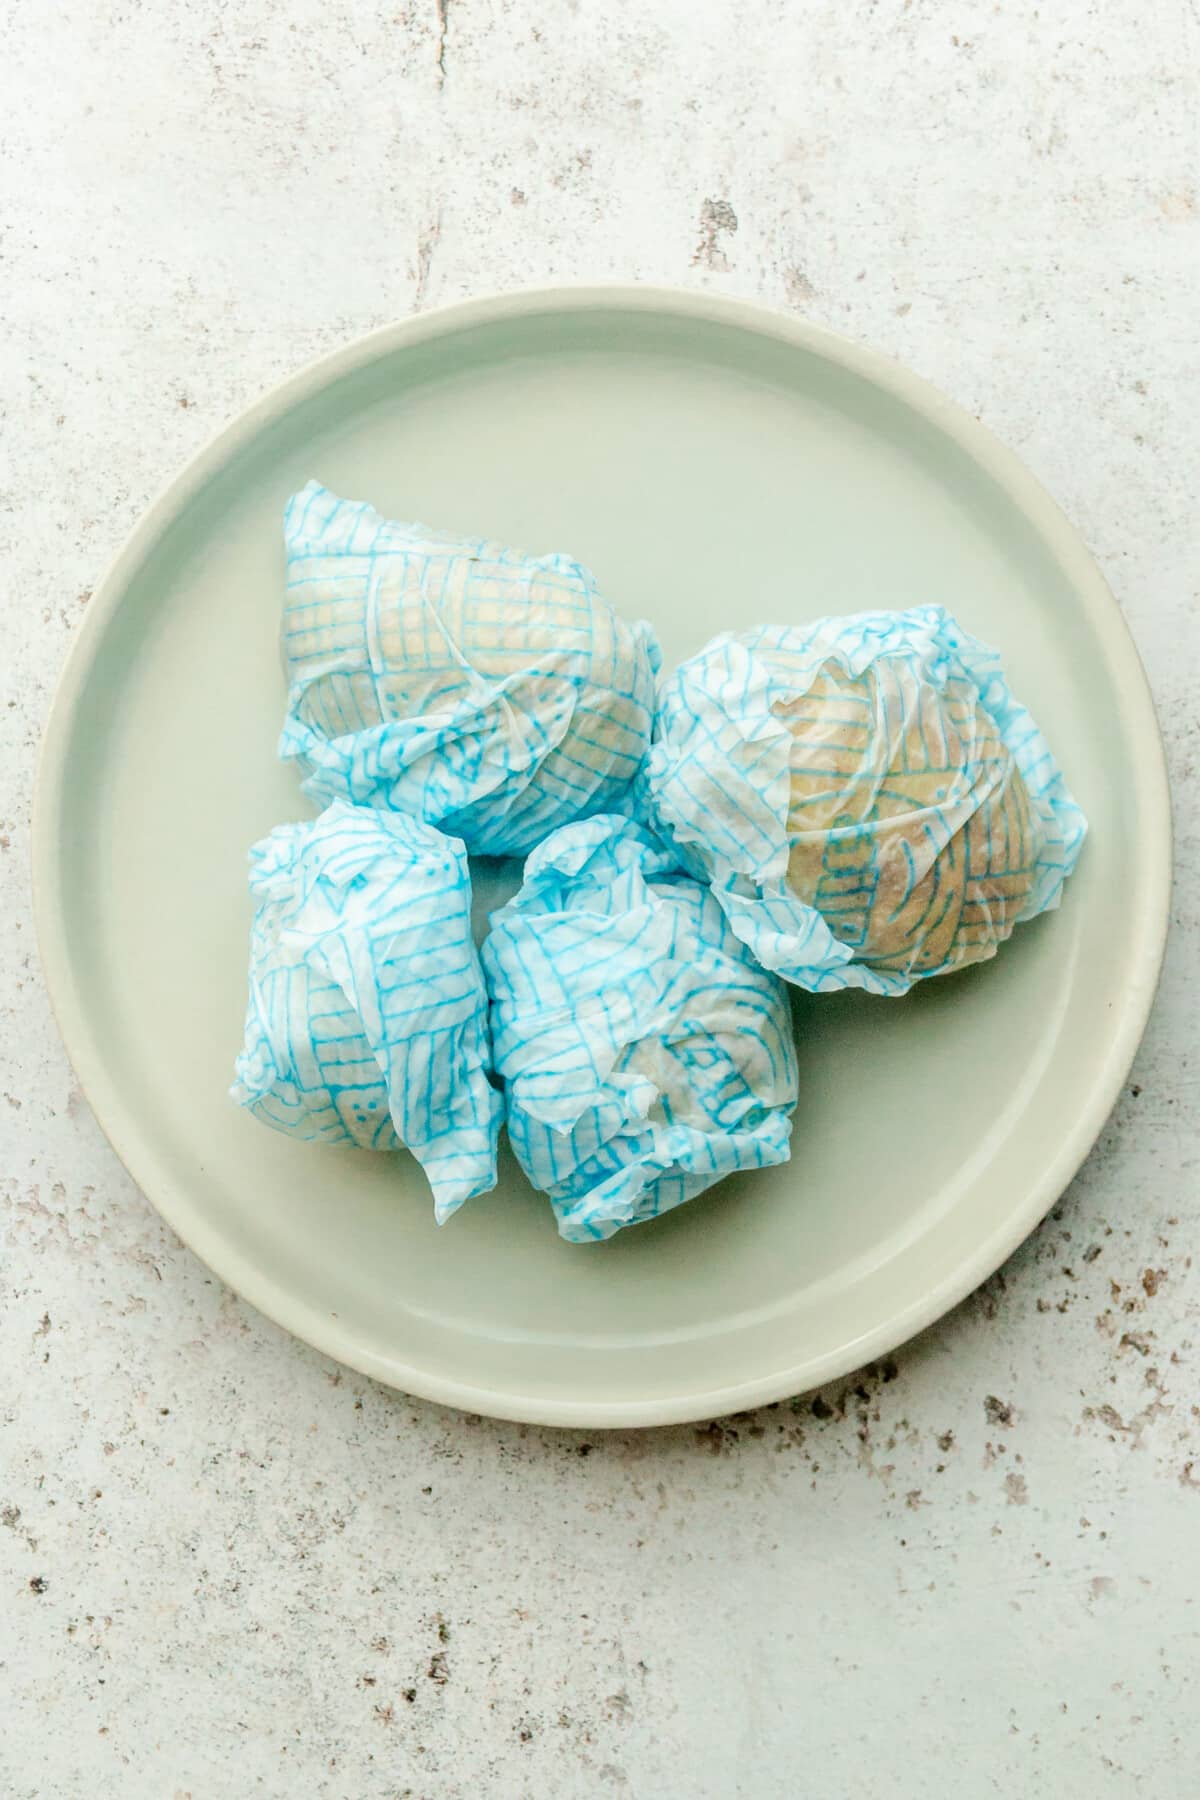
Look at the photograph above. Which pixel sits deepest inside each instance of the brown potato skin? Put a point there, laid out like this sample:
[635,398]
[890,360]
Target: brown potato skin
[875,769]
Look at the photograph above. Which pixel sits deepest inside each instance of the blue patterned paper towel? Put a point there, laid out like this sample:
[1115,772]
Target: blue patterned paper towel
[367,1017]
[869,800]
[493,694]
[644,1052]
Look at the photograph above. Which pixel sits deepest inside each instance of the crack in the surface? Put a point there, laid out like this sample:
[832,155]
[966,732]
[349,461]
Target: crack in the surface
[443,15]
[427,243]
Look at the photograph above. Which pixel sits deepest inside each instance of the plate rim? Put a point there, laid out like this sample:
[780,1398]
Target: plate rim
[1152,856]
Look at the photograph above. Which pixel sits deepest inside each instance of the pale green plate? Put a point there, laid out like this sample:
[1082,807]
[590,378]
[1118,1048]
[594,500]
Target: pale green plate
[716,465]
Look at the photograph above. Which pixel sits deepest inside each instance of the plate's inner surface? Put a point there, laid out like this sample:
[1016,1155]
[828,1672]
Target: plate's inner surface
[711,479]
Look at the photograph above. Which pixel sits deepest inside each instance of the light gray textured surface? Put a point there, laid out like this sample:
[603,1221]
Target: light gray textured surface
[230,1567]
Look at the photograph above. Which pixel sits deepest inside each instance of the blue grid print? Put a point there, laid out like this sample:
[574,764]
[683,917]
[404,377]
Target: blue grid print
[367,1017]
[870,802]
[493,694]
[644,1053]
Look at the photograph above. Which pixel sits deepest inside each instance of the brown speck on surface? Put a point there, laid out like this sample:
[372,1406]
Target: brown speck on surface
[997,1412]
[716,1437]
[38,1584]
[1016,1489]
[1151,1280]
[989,1296]
[945,1440]
[438,1670]
[717,220]
[516,198]
[797,286]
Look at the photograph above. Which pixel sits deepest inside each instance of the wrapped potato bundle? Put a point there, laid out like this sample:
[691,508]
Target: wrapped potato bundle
[494,695]
[866,796]
[644,1053]
[367,1017]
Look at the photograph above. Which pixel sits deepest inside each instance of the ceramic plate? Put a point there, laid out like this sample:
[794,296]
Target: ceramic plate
[716,465]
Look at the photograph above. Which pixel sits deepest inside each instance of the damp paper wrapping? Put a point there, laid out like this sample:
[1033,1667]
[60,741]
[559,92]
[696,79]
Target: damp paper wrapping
[493,694]
[869,800]
[645,1054]
[367,1017]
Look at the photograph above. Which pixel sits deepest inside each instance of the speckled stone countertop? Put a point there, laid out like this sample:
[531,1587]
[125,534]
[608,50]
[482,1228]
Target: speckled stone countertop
[230,1567]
